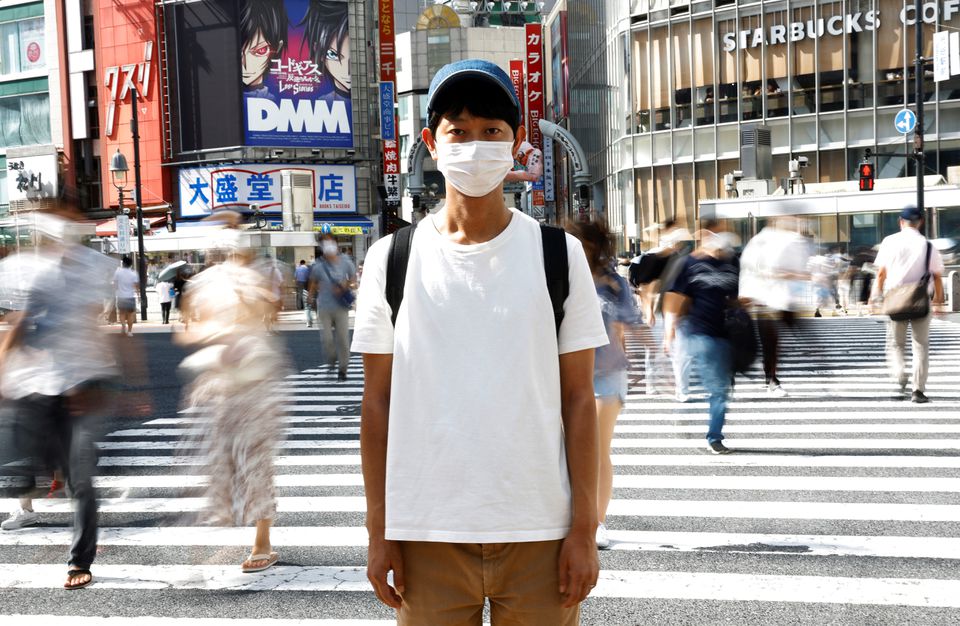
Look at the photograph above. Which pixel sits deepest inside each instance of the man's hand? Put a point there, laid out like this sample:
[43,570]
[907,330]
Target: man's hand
[382,557]
[579,566]
[667,344]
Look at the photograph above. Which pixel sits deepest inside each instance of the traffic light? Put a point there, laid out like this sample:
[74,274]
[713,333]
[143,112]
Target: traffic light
[866,176]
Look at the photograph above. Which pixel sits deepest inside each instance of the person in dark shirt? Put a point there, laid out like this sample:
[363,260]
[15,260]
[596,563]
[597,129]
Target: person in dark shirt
[697,302]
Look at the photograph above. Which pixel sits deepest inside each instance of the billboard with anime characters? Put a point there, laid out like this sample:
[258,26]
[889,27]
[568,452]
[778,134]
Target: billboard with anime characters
[295,66]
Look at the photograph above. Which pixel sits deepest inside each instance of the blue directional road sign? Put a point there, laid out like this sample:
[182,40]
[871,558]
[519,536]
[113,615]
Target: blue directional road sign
[905,121]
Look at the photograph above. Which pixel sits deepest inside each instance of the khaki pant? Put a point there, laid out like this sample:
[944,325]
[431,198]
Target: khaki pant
[446,583]
[896,348]
[335,336]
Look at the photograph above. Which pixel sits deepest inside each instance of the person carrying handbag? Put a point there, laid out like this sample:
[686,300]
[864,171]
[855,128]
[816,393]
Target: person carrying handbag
[332,281]
[907,264]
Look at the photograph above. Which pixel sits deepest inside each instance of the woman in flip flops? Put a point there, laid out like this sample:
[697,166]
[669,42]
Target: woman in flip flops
[234,370]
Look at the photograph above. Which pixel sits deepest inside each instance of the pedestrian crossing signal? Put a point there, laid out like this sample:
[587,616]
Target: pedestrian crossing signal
[866,176]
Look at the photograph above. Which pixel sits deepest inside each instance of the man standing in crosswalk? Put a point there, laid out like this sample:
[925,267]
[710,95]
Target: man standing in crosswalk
[479,429]
[905,258]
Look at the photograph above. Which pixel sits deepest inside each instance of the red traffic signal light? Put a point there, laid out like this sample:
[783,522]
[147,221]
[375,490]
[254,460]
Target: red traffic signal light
[866,176]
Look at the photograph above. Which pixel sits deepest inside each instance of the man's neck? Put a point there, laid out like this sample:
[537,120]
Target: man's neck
[466,220]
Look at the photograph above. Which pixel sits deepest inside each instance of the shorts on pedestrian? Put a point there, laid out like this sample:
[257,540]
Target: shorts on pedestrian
[609,385]
[126,305]
[446,583]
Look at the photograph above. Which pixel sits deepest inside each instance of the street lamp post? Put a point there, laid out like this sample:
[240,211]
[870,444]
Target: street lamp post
[119,169]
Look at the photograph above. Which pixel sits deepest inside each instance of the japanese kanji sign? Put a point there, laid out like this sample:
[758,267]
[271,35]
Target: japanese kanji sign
[388,124]
[205,189]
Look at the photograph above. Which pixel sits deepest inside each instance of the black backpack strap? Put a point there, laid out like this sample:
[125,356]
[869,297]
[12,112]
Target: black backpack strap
[556,268]
[397,260]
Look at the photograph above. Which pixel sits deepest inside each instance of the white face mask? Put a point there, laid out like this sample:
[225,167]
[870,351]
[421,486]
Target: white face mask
[475,168]
[329,248]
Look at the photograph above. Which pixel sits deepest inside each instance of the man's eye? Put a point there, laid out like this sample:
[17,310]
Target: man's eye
[333,55]
[263,50]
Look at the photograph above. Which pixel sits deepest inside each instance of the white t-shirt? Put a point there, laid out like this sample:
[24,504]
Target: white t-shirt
[126,282]
[903,255]
[475,450]
[163,291]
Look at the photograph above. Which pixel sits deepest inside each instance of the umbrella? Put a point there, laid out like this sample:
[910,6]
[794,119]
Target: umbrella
[17,273]
[170,272]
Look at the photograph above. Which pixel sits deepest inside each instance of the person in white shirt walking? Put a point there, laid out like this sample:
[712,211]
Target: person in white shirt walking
[479,435]
[906,258]
[125,285]
[165,292]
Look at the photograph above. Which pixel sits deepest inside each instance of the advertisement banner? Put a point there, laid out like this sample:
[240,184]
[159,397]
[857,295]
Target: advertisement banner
[123,234]
[388,120]
[535,90]
[560,67]
[391,170]
[31,45]
[549,190]
[205,189]
[295,66]
[387,44]
[516,76]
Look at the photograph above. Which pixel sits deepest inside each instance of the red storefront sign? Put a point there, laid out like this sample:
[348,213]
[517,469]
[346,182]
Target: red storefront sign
[516,76]
[535,92]
[388,73]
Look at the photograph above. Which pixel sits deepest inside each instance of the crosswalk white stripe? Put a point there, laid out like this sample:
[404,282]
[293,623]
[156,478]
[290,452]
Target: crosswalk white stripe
[642,508]
[898,484]
[651,460]
[86,620]
[805,444]
[637,400]
[621,540]
[624,428]
[611,584]
[290,444]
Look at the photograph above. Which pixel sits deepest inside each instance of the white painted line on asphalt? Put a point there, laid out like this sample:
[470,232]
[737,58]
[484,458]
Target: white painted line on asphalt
[727,509]
[791,428]
[637,401]
[770,588]
[62,620]
[179,432]
[289,444]
[642,508]
[676,416]
[809,545]
[290,461]
[897,484]
[184,481]
[797,443]
[301,536]
[612,584]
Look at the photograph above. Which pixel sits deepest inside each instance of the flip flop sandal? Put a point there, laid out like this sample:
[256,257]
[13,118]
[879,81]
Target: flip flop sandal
[78,572]
[271,560]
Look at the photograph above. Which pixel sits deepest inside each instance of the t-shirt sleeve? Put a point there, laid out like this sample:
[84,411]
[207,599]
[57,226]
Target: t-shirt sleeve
[582,327]
[883,254]
[373,329]
[681,283]
[936,262]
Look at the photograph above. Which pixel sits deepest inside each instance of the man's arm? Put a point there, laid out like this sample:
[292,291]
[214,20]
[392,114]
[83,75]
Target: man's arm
[579,565]
[382,556]
[938,296]
[674,307]
[878,283]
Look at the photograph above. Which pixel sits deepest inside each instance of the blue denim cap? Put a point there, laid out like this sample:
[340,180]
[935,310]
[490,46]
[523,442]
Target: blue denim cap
[911,214]
[471,69]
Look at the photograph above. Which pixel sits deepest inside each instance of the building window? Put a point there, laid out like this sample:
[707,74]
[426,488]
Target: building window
[21,46]
[703,53]
[641,90]
[25,120]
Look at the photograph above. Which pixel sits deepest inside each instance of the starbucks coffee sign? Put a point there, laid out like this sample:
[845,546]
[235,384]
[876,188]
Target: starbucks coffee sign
[835,25]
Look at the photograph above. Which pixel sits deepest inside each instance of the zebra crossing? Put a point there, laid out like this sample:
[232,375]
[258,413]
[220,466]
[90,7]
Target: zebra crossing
[839,505]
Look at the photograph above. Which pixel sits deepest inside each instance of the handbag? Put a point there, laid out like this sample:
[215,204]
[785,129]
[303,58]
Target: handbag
[912,300]
[346,296]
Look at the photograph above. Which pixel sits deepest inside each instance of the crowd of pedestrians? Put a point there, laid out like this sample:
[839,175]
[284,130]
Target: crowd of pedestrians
[495,365]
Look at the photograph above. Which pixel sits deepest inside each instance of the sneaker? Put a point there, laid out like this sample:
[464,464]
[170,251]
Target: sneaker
[19,519]
[603,539]
[717,447]
[682,397]
[341,376]
[774,389]
[919,397]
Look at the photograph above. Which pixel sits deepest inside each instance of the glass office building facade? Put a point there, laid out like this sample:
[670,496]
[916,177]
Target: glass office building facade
[660,90]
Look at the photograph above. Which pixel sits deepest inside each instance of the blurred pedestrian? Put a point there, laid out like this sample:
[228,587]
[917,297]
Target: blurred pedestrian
[909,268]
[165,292]
[236,367]
[773,266]
[125,284]
[332,281]
[302,277]
[619,309]
[698,301]
[54,365]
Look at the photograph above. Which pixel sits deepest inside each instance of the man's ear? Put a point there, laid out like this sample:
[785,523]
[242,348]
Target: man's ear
[521,136]
[429,142]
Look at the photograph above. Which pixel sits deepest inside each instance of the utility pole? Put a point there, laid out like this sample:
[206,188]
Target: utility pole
[141,256]
[918,86]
